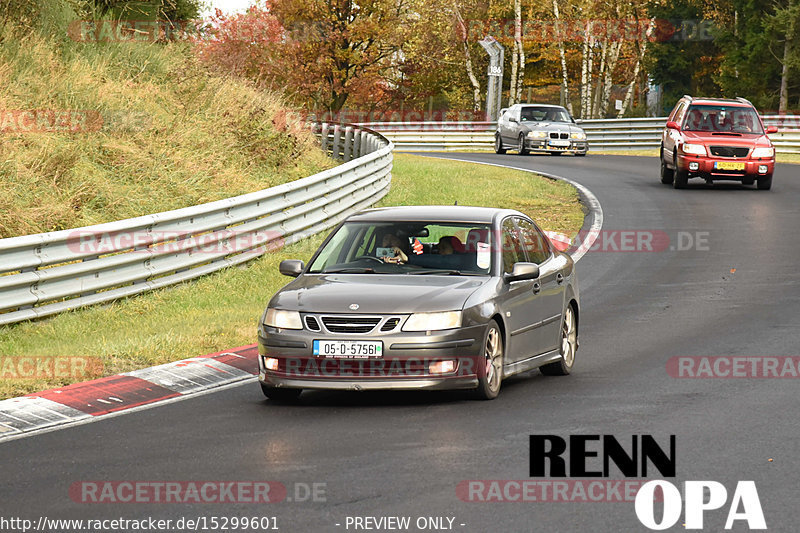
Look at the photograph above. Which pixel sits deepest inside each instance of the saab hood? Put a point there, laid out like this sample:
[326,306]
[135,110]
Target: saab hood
[376,293]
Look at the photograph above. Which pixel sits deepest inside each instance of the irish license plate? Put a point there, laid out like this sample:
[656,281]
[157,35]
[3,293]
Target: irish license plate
[560,143]
[348,349]
[729,165]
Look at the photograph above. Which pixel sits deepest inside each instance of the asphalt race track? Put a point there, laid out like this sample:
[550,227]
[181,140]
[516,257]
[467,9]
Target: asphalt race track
[404,454]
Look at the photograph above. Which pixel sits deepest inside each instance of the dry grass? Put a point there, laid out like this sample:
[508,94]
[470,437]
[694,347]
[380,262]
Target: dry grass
[554,205]
[171,134]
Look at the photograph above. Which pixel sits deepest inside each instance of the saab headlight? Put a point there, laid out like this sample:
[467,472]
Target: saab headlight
[694,149]
[433,321]
[279,318]
[763,152]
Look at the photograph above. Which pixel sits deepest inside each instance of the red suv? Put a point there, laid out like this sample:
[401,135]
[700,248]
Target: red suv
[716,139]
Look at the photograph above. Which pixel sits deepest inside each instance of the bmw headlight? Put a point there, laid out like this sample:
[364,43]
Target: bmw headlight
[433,321]
[763,152]
[694,149]
[537,134]
[578,135]
[279,318]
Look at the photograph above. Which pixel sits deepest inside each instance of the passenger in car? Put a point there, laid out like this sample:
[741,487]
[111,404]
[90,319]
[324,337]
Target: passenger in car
[694,121]
[445,248]
[449,245]
[390,240]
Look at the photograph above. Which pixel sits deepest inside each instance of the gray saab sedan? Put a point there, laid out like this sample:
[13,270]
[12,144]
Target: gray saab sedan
[423,297]
[540,128]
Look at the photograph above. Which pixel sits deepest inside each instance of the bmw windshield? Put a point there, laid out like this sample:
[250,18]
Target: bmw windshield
[406,248]
[544,114]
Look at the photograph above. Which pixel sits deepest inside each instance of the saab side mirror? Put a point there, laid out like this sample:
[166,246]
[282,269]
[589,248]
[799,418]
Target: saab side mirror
[672,125]
[513,119]
[291,267]
[772,129]
[522,271]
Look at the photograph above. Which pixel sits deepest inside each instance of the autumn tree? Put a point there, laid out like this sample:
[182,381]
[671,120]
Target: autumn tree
[246,44]
[338,47]
[442,63]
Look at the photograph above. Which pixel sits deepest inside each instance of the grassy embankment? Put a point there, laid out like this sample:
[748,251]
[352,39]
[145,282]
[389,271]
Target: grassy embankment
[158,132]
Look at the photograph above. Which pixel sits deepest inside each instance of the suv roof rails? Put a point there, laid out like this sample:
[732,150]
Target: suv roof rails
[743,100]
[687,97]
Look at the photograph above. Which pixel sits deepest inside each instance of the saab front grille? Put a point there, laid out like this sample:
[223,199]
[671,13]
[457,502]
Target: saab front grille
[729,151]
[312,324]
[390,324]
[347,324]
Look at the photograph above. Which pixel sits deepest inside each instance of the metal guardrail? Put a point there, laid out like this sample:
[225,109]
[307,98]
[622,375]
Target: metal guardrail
[602,134]
[48,273]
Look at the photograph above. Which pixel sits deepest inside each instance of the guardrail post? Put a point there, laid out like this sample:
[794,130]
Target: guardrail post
[324,138]
[348,143]
[337,142]
[357,137]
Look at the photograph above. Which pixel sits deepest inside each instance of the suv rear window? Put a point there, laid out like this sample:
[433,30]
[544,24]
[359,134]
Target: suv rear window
[719,118]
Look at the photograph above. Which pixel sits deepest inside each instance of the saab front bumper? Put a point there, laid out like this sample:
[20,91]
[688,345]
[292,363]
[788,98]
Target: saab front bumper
[406,361]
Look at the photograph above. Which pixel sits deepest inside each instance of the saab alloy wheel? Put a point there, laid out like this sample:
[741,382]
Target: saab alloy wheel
[491,375]
[569,346]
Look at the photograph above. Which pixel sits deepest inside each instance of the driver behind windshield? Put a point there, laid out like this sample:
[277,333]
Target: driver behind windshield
[392,241]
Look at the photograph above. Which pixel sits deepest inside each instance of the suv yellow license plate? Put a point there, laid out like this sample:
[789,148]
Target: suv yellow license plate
[728,165]
[348,349]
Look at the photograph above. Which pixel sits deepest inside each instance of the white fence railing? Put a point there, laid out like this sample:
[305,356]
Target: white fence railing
[47,273]
[603,134]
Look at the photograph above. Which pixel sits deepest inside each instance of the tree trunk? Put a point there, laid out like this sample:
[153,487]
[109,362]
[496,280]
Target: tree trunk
[632,84]
[584,70]
[512,90]
[337,101]
[613,57]
[520,48]
[600,78]
[590,74]
[783,103]
[564,73]
[476,87]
